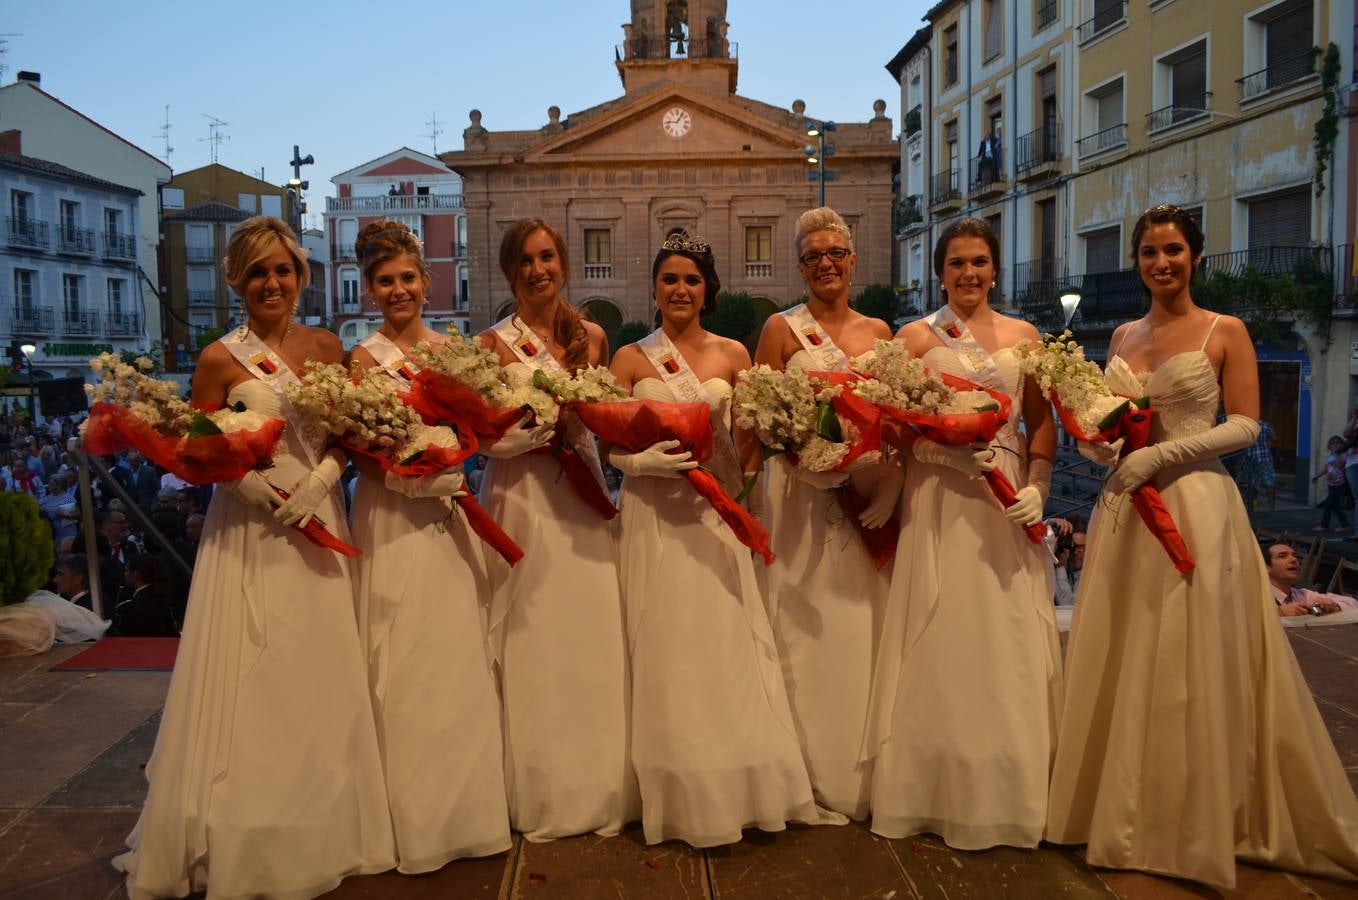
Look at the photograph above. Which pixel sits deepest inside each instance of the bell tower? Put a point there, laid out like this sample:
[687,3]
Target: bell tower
[677,40]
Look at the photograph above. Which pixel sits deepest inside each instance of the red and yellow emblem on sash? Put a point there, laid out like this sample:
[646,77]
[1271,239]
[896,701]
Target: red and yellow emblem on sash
[262,362]
[812,335]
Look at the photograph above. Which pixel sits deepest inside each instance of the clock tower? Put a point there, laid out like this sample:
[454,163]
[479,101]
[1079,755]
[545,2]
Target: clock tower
[677,41]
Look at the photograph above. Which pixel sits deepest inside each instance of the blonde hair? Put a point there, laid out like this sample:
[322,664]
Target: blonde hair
[256,238]
[822,218]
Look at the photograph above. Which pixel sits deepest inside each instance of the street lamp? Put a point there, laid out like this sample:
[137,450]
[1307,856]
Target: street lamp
[816,153]
[1070,299]
[28,350]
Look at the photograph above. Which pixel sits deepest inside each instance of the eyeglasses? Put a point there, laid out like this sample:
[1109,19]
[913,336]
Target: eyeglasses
[836,254]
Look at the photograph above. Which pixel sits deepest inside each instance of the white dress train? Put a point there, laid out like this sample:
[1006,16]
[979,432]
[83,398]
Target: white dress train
[713,742]
[265,779]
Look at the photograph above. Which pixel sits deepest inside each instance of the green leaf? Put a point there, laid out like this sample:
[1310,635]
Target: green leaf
[827,423]
[202,426]
[1110,420]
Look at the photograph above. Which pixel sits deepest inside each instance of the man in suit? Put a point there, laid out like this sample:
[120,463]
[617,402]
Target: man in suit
[145,481]
[71,578]
[144,609]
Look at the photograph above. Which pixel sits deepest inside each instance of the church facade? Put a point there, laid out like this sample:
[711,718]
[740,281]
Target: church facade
[680,148]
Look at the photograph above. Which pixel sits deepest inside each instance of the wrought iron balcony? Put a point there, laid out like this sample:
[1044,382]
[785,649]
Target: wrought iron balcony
[459,250]
[202,298]
[22,231]
[944,190]
[80,321]
[71,239]
[1188,110]
[122,324]
[909,213]
[345,252]
[1038,152]
[987,177]
[198,254]
[1100,141]
[1280,75]
[119,246]
[393,203]
[1293,261]
[30,319]
[1101,21]
[912,124]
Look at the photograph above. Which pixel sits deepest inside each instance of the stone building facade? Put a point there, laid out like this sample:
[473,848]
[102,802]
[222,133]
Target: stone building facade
[679,148]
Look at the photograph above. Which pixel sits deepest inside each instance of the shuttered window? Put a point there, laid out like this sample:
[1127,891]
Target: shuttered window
[994,19]
[1110,107]
[1283,220]
[1289,36]
[1188,83]
[1103,250]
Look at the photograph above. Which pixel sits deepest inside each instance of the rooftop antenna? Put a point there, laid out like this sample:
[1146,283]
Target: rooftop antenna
[4,51]
[214,133]
[434,131]
[165,135]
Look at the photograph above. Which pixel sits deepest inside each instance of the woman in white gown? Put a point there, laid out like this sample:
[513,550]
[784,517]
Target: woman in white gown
[967,689]
[556,617]
[825,596]
[1189,738]
[421,586]
[265,779]
[713,742]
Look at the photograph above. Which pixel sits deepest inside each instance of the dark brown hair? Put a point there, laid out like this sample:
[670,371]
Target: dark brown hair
[568,325]
[967,227]
[384,240]
[1168,214]
[699,252]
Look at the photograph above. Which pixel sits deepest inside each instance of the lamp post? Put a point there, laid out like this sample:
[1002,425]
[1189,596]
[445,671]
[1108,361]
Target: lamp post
[1070,300]
[28,350]
[815,154]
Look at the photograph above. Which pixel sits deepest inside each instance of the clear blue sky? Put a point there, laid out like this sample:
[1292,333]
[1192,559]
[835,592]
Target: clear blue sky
[350,81]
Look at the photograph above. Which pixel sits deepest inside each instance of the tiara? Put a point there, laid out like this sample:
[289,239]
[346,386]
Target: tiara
[684,243]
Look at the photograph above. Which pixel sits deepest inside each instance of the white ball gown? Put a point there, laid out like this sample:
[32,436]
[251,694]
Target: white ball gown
[556,630]
[826,603]
[713,742]
[962,721]
[265,779]
[421,584]
[1189,738]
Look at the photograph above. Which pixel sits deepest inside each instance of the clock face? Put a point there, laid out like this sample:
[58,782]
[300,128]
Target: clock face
[676,121]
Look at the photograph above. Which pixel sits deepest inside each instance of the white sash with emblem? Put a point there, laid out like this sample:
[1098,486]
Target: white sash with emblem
[815,340]
[261,362]
[390,357]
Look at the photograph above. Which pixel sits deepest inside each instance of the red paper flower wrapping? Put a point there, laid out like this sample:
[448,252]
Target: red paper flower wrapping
[880,542]
[198,460]
[634,425]
[1134,427]
[440,400]
[578,474]
[433,460]
[316,532]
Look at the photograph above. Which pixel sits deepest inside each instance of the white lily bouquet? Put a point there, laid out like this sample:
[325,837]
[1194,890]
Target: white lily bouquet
[462,382]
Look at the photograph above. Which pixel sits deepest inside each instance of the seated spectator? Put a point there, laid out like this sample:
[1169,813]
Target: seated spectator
[145,610]
[72,579]
[1283,568]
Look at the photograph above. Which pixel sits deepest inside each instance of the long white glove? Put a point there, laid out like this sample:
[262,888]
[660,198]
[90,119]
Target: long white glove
[1030,499]
[254,489]
[821,481]
[445,484]
[1236,433]
[885,495]
[1100,453]
[308,493]
[522,438]
[656,460]
[972,460]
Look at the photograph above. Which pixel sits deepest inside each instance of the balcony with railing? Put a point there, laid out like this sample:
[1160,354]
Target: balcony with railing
[350,307]
[909,214]
[195,254]
[80,322]
[31,319]
[74,240]
[944,190]
[123,324]
[1038,153]
[22,231]
[393,203]
[119,246]
[912,125]
[1044,15]
[1100,141]
[202,298]
[1103,21]
[1189,109]
[987,178]
[459,250]
[598,271]
[1280,75]
[758,270]
[344,252]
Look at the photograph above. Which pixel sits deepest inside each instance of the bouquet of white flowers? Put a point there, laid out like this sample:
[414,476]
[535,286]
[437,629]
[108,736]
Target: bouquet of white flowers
[1087,406]
[896,381]
[461,382]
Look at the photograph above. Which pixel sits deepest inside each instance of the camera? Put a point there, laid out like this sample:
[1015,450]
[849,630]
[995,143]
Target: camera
[1065,543]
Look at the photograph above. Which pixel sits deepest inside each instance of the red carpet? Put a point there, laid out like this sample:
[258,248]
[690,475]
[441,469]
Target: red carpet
[144,654]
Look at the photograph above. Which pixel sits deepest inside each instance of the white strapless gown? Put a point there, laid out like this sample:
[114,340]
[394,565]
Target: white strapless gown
[421,585]
[962,722]
[556,628]
[826,603]
[713,743]
[1189,738]
[265,779]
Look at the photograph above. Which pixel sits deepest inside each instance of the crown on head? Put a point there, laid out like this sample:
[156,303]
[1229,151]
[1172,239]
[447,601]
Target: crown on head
[682,242]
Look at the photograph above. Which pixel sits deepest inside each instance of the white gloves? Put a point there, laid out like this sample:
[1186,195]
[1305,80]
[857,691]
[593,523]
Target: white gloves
[308,493]
[450,483]
[885,495]
[654,460]
[1032,497]
[972,460]
[255,489]
[1100,453]
[1236,433]
[821,481]
[522,438]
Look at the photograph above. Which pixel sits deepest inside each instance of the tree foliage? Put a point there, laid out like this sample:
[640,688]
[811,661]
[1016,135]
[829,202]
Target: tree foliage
[735,317]
[1262,301]
[877,301]
[26,553]
[630,333]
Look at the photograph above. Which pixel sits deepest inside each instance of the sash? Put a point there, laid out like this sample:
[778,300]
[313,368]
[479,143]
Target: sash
[814,339]
[532,351]
[390,357]
[261,362]
[956,336]
[683,382]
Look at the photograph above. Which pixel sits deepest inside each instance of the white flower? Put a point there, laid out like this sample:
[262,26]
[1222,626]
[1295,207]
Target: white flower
[893,378]
[1060,369]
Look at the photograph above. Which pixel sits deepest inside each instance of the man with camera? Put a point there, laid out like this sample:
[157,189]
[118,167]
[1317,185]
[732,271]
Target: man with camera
[1283,568]
[1070,558]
